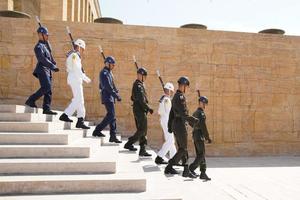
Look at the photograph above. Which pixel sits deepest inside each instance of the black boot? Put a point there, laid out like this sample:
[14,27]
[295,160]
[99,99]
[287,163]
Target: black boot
[186,172]
[65,118]
[49,112]
[130,147]
[80,124]
[98,134]
[170,170]
[30,104]
[193,172]
[143,152]
[204,176]
[159,160]
[114,139]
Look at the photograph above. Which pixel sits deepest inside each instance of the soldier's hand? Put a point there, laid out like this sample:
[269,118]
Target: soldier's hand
[170,130]
[151,111]
[209,141]
[87,80]
[119,98]
[56,69]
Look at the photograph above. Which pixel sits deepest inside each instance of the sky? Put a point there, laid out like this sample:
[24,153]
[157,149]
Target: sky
[228,15]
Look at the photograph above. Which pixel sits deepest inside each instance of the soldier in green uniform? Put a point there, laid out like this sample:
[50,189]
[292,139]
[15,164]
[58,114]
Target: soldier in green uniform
[177,124]
[200,134]
[140,111]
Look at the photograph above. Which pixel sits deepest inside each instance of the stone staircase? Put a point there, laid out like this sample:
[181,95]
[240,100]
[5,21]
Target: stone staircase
[41,155]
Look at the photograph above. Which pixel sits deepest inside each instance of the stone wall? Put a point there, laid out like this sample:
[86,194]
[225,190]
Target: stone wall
[252,80]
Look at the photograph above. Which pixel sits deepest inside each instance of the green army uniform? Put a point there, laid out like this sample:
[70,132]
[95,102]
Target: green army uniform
[200,134]
[140,110]
[177,124]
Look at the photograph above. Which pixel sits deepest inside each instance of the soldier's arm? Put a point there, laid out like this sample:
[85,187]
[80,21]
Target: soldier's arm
[203,127]
[183,113]
[77,67]
[142,99]
[108,84]
[42,59]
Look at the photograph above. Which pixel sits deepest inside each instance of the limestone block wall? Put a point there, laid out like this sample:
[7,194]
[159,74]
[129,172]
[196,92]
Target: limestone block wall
[252,80]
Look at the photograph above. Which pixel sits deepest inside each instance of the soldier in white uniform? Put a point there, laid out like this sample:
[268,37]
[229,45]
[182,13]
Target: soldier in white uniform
[75,77]
[165,105]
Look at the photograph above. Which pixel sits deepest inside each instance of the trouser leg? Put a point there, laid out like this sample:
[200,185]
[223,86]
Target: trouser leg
[169,144]
[108,119]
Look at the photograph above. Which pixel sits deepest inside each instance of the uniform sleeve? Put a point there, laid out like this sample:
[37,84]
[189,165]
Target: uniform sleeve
[201,125]
[108,85]
[77,67]
[183,112]
[42,59]
[141,98]
[203,128]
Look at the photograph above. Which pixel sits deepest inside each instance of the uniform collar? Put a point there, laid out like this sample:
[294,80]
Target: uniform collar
[178,91]
[42,41]
[73,51]
[200,109]
[137,80]
[105,67]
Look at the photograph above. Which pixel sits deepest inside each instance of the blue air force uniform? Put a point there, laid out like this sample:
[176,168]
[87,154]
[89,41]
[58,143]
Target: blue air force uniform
[109,93]
[43,71]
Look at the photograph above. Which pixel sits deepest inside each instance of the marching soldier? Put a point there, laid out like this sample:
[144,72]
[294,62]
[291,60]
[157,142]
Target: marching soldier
[165,105]
[109,93]
[75,77]
[200,134]
[177,124]
[43,71]
[140,110]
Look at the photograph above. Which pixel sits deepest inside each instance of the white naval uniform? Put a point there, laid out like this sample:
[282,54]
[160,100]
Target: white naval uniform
[164,111]
[75,78]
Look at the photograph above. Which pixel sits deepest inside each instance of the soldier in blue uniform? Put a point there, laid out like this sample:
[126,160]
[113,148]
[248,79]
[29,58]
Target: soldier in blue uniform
[43,71]
[109,93]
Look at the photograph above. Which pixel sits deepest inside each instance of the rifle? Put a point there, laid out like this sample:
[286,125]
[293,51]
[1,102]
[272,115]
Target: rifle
[73,44]
[198,90]
[71,38]
[135,62]
[101,51]
[46,42]
[103,56]
[160,79]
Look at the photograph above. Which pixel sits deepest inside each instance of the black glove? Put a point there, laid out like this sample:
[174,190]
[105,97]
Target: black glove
[56,69]
[170,130]
[119,98]
[151,111]
[209,141]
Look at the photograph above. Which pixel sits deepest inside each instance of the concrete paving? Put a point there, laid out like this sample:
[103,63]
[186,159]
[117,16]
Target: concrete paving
[255,178]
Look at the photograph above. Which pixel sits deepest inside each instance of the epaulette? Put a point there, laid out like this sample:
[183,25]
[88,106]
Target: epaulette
[161,98]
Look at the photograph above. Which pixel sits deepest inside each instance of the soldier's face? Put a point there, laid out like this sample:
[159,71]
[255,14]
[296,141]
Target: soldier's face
[202,105]
[111,66]
[43,36]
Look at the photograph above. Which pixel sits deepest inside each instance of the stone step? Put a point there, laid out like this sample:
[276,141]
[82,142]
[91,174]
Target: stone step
[15,138]
[58,184]
[43,151]
[33,126]
[105,196]
[56,166]
[102,160]
[22,117]
[20,113]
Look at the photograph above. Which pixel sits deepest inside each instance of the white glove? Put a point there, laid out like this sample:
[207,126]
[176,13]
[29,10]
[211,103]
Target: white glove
[87,79]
